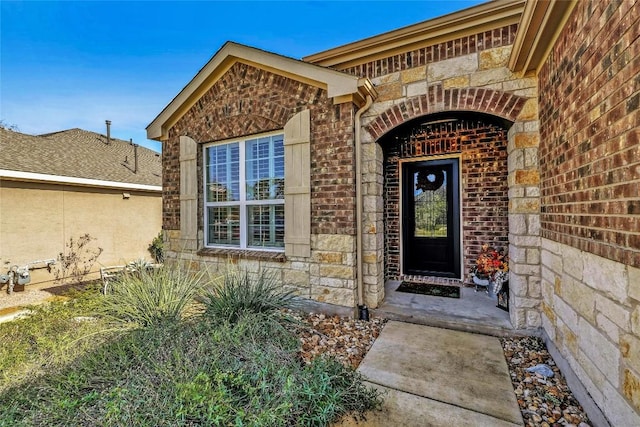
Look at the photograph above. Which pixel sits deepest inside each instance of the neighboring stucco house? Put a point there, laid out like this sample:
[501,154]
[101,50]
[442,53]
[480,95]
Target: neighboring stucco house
[525,111]
[63,185]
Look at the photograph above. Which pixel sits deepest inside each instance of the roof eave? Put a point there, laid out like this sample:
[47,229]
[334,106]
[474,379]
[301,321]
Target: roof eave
[539,28]
[473,19]
[11,175]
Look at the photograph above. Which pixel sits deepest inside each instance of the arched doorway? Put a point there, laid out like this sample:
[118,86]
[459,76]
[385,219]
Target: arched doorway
[445,193]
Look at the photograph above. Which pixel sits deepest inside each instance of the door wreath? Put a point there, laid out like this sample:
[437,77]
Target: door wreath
[430,179]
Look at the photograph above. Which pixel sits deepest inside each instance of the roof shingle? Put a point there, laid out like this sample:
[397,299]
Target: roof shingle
[81,154]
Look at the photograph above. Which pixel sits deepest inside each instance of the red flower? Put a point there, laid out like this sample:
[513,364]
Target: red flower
[490,262]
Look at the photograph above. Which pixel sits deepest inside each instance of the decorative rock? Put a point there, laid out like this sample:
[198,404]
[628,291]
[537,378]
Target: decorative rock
[544,402]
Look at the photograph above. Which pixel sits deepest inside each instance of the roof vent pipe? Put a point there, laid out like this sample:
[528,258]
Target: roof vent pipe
[135,155]
[135,158]
[108,122]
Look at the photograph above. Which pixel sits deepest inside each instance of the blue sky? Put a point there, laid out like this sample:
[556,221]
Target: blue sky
[70,64]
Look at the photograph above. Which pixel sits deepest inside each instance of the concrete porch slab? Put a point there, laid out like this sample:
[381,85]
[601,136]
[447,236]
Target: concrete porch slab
[440,377]
[472,312]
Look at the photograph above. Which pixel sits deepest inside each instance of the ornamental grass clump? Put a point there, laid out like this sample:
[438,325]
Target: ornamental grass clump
[238,293]
[147,297]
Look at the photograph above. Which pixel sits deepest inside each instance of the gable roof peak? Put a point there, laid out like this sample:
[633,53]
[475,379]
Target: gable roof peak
[335,82]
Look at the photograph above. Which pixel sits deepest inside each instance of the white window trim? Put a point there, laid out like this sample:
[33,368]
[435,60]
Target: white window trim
[243,202]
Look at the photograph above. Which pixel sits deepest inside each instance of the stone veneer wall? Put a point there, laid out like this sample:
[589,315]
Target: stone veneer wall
[482,148]
[245,101]
[590,170]
[467,74]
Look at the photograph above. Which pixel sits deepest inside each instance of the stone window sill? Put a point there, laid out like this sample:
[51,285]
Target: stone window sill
[243,254]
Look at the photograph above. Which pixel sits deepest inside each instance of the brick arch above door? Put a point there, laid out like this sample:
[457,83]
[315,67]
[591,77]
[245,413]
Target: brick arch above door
[496,102]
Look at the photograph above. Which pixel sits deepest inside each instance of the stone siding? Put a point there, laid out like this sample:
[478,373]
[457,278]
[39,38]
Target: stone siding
[591,311]
[327,276]
[590,163]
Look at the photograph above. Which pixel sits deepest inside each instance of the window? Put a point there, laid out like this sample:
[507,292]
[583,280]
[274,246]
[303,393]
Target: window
[244,193]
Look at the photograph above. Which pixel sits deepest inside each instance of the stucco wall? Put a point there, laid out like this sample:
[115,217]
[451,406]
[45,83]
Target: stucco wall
[37,221]
[590,171]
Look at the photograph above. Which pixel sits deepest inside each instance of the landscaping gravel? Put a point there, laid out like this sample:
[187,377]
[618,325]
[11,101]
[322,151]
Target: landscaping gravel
[346,339]
[544,401]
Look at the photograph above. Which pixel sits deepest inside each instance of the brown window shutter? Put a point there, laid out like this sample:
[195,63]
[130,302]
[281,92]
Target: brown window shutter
[188,193]
[297,185]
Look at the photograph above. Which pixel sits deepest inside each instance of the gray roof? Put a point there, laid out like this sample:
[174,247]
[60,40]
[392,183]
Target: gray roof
[81,154]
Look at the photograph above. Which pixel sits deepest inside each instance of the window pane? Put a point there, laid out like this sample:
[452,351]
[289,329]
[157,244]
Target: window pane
[265,168]
[265,226]
[223,173]
[224,225]
[430,203]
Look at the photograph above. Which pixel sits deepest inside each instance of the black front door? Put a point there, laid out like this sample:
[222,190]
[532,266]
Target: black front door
[431,218]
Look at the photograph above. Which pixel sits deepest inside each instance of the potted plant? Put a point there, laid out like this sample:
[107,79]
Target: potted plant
[491,269]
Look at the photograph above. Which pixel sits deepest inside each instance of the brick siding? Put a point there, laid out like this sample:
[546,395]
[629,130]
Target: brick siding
[437,99]
[439,52]
[248,100]
[483,168]
[590,148]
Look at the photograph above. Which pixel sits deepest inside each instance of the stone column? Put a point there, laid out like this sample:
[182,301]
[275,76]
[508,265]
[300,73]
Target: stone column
[373,224]
[524,220]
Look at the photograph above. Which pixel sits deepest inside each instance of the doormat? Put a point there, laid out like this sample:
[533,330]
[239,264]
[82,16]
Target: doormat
[430,289]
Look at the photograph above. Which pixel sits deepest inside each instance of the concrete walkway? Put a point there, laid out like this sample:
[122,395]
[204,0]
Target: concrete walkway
[439,377]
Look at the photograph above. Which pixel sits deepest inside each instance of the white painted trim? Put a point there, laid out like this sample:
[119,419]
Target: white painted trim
[242,203]
[72,180]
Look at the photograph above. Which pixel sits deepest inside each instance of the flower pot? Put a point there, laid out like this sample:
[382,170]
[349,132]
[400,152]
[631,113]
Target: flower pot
[480,281]
[493,289]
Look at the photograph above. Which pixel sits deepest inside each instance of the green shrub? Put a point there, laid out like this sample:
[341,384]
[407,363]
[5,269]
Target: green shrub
[150,297]
[156,248]
[238,365]
[238,293]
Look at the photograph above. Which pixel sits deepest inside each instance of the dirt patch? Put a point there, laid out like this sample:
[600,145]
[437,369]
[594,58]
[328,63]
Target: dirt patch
[23,298]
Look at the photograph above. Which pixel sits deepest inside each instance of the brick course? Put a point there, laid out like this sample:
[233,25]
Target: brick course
[437,99]
[439,52]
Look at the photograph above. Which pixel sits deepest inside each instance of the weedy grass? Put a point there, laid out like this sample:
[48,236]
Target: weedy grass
[235,365]
[53,333]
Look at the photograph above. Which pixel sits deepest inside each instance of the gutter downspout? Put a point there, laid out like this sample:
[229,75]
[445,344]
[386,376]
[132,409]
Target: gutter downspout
[363,311]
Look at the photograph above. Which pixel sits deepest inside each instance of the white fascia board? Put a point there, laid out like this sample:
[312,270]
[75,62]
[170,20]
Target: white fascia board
[71,180]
